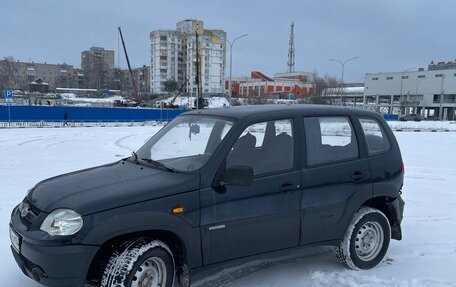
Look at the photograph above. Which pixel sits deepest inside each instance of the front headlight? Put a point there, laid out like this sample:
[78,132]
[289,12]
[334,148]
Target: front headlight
[62,222]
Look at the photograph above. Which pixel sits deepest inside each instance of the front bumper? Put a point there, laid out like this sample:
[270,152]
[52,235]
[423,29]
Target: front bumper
[52,261]
[55,265]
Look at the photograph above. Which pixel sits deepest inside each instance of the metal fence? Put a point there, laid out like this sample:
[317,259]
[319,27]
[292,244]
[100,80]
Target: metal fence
[73,124]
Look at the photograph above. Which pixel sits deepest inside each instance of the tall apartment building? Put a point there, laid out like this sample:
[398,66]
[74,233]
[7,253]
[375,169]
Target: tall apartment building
[96,64]
[173,56]
[18,75]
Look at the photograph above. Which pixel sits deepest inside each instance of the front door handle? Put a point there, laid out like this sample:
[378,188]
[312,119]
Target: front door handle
[288,187]
[357,175]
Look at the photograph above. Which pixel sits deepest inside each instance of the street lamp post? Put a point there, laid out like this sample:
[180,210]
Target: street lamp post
[343,65]
[441,99]
[231,61]
[402,81]
[418,80]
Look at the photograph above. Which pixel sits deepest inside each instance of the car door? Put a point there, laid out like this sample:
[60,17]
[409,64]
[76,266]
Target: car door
[238,221]
[337,178]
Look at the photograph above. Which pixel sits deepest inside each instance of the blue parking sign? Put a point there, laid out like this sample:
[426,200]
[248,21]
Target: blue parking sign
[8,95]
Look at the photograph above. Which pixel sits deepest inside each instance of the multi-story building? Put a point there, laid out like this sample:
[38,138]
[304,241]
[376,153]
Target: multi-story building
[281,85]
[120,79]
[142,77]
[429,93]
[96,64]
[18,75]
[173,56]
[166,59]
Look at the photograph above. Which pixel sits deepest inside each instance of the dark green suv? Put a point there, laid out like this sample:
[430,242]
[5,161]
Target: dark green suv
[217,185]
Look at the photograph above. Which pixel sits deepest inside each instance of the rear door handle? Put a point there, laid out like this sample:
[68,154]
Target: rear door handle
[357,175]
[288,187]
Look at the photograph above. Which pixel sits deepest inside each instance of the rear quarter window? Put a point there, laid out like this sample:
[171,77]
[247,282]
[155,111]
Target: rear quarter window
[376,138]
[329,139]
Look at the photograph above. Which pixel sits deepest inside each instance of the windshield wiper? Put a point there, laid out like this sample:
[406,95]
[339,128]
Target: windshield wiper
[133,154]
[159,164]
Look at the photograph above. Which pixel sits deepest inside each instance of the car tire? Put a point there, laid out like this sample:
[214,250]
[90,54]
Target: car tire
[366,240]
[140,262]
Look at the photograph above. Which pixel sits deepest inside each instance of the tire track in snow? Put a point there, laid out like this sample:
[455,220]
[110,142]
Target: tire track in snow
[35,140]
[429,218]
[57,143]
[29,141]
[123,146]
[119,142]
[230,275]
[356,278]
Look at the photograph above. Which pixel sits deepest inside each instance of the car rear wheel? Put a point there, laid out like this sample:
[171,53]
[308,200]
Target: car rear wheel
[140,263]
[366,240]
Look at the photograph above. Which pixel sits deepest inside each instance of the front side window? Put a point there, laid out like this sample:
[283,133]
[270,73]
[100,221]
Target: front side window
[267,147]
[376,139]
[329,139]
[186,143]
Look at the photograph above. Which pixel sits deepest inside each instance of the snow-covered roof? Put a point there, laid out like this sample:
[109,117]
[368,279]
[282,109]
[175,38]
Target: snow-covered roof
[73,97]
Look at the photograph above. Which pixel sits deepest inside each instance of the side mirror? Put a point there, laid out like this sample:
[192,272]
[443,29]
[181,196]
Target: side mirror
[239,175]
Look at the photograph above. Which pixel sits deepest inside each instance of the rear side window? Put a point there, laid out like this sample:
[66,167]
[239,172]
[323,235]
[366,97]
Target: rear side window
[329,139]
[376,139]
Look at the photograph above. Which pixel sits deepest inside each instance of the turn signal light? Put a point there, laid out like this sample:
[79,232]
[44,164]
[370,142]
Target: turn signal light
[177,210]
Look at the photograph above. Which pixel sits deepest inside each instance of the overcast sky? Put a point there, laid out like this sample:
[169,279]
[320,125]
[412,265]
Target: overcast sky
[386,35]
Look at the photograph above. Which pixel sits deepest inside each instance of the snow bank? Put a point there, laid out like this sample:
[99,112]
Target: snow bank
[423,125]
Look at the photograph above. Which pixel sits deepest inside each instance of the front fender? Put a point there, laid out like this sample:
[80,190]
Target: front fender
[154,215]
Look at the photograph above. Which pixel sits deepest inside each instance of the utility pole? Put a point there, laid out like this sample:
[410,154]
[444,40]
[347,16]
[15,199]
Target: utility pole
[199,99]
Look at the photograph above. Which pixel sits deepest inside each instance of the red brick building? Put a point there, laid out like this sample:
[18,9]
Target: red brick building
[281,85]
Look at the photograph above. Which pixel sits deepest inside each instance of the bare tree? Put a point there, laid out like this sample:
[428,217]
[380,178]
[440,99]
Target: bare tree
[8,74]
[327,89]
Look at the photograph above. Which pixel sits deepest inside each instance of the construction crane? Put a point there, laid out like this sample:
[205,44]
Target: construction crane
[133,81]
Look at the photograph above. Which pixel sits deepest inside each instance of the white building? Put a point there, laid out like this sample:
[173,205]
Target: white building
[429,93]
[173,56]
[165,54]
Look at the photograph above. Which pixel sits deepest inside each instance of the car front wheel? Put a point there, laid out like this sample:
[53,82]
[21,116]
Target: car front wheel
[366,240]
[139,263]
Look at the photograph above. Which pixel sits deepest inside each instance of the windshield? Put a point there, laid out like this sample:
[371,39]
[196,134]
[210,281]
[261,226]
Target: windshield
[186,143]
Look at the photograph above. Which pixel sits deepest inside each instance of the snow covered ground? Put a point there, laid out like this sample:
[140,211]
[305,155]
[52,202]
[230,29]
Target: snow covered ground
[425,257]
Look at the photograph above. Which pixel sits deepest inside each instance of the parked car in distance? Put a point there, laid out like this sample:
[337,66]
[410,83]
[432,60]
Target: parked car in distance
[411,117]
[216,185]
